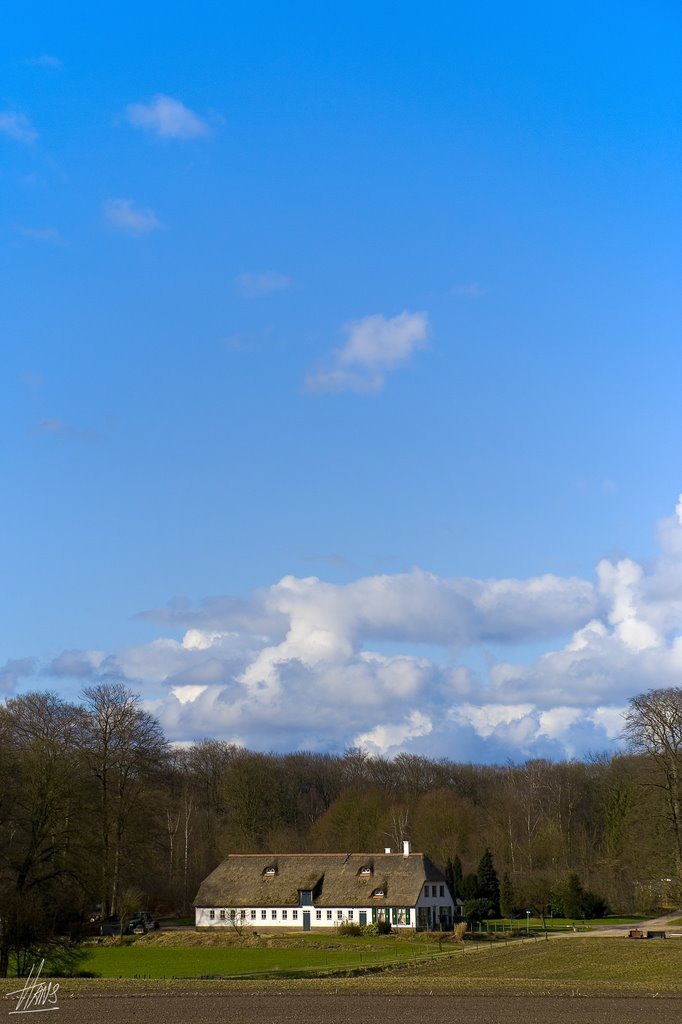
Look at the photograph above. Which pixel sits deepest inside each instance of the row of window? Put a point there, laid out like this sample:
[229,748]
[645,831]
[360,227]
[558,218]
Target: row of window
[431,890]
[253,914]
[399,915]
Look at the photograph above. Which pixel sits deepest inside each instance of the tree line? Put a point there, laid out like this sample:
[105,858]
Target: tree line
[99,814]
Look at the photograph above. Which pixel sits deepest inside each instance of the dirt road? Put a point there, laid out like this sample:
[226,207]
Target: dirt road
[303,1008]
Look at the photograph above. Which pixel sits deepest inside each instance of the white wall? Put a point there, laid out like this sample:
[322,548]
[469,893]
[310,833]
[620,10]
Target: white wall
[436,905]
[339,915]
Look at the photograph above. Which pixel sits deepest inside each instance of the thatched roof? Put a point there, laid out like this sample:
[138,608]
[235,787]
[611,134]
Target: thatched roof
[336,880]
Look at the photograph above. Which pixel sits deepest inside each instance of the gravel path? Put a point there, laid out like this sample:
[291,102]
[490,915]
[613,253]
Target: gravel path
[656,924]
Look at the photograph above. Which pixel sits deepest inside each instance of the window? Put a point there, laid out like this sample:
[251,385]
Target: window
[263,915]
[274,915]
[211,915]
[350,915]
[233,914]
[318,915]
[270,870]
[222,915]
[242,915]
[365,870]
[442,891]
[305,897]
[284,915]
[339,915]
[378,894]
[253,915]
[426,890]
[294,914]
[329,915]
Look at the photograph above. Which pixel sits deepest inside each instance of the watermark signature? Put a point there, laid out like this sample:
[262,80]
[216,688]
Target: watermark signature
[36,996]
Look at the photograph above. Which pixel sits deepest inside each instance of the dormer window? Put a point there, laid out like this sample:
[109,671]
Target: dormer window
[270,871]
[365,870]
[378,894]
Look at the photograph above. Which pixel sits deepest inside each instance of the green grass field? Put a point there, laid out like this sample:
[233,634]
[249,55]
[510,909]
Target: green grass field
[571,965]
[141,960]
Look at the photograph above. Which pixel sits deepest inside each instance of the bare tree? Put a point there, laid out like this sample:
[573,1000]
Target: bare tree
[38,826]
[123,746]
[653,726]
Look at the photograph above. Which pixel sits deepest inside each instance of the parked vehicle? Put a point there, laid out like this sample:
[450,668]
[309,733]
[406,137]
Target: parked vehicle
[110,926]
[141,923]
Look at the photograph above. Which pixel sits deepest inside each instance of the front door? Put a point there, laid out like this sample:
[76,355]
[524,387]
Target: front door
[363,917]
[306,920]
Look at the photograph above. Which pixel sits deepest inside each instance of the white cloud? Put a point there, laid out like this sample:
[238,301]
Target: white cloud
[299,666]
[166,118]
[621,584]
[487,719]
[611,720]
[251,286]
[13,670]
[375,345]
[383,739]
[556,722]
[309,664]
[17,127]
[124,215]
[188,694]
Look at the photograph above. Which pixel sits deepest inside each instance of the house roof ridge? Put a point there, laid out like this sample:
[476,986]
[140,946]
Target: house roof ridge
[352,853]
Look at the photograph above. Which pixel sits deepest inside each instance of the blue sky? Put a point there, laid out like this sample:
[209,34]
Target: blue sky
[341,367]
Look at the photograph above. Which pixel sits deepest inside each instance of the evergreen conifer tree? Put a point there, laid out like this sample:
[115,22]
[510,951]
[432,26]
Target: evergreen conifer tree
[453,876]
[488,882]
[507,899]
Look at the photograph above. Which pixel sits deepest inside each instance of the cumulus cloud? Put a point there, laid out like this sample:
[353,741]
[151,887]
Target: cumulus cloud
[166,118]
[17,127]
[374,346]
[251,286]
[299,664]
[13,670]
[385,739]
[387,662]
[124,215]
[76,664]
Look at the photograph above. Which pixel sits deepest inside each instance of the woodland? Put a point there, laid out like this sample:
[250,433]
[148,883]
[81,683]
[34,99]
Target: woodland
[100,815]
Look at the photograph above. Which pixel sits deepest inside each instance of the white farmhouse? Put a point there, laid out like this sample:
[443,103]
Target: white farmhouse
[324,890]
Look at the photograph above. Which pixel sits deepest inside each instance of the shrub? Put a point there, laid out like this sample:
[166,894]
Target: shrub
[476,910]
[349,928]
[459,931]
[594,905]
[377,928]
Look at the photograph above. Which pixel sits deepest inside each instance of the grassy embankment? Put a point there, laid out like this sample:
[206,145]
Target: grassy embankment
[190,955]
[579,965]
